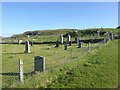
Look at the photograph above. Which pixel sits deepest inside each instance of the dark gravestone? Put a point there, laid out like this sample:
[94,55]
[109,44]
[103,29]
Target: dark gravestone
[70,43]
[39,64]
[31,43]
[76,39]
[57,44]
[65,46]
[79,44]
[111,36]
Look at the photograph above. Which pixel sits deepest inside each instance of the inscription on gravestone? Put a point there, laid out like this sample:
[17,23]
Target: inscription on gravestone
[39,64]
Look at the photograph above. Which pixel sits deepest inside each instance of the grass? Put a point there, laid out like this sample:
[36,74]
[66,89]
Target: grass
[98,71]
[65,68]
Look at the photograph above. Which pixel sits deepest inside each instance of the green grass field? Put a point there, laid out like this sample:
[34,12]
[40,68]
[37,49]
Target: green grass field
[75,67]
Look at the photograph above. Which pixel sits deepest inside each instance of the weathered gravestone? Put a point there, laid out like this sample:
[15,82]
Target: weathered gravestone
[76,39]
[79,44]
[61,39]
[27,47]
[39,64]
[65,46]
[19,41]
[111,36]
[68,38]
[104,40]
[57,44]
[70,43]
[31,43]
[89,47]
[98,33]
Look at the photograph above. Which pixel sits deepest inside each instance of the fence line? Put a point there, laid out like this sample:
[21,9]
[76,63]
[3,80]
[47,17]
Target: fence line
[90,48]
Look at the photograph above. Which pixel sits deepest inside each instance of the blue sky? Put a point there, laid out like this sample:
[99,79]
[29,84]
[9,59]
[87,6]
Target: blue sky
[18,17]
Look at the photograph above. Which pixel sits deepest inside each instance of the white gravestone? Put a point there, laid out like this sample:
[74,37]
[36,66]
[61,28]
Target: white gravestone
[61,39]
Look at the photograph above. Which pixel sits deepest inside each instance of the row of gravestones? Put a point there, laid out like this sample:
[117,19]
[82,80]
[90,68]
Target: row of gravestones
[77,40]
[68,39]
[39,61]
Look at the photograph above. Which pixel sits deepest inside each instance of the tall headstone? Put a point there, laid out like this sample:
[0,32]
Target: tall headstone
[27,47]
[68,38]
[98,33]
[65,46]
[79,44]
[111,36]
[61,39]
[76,39]
[39,64]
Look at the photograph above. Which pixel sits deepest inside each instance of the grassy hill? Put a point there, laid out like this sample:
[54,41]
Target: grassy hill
[53,35]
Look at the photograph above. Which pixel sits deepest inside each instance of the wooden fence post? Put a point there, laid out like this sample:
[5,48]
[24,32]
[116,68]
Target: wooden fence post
[21,70]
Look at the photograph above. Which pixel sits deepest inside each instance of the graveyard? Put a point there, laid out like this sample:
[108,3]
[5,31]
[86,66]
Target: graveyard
[82,59]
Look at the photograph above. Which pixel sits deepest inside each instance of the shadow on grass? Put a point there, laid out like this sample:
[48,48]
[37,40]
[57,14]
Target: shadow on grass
[14,53]
[19,53]
[16,74]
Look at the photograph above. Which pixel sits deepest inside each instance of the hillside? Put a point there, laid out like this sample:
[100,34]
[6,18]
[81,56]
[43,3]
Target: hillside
[53,35]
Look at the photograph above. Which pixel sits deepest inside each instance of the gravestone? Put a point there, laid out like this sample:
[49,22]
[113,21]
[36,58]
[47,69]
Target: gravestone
[61,39]
[70,43]
[57,44]
[68,38]
[111,36]
[39,64]
[89,47]
[65,46]
[98,33]
[31,43]
[19,41]
[27,47]
[76,39]
[104,41]
[79,44]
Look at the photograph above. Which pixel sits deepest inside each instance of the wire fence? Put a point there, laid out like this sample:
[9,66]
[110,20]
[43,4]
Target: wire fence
[28,67]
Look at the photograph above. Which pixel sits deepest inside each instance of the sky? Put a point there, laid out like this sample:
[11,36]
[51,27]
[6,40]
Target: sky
[18,17]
